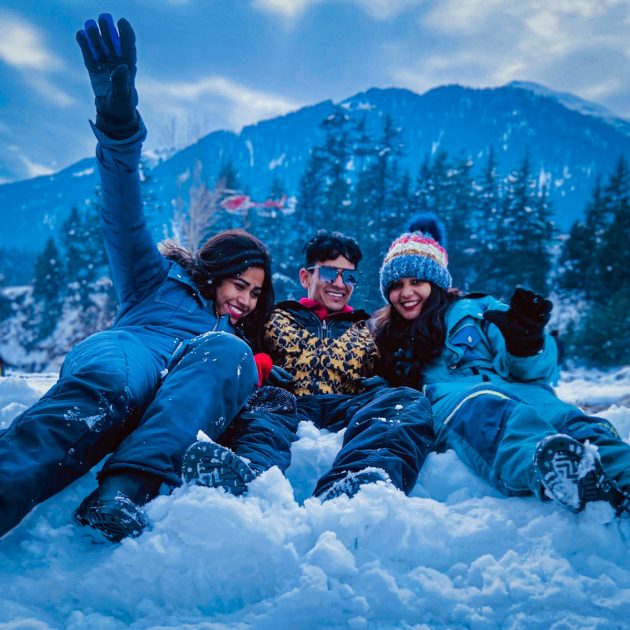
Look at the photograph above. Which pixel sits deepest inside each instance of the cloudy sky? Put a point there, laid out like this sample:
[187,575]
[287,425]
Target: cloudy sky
[221,64]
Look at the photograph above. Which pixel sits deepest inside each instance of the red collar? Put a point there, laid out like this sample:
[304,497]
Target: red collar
[320,310]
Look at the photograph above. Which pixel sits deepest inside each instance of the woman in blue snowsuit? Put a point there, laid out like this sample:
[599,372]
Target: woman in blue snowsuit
[486,370]
[174,361]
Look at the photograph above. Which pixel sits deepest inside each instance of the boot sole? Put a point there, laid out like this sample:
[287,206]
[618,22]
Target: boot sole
[351,484]
[114,519]
[558,461]
[214,466]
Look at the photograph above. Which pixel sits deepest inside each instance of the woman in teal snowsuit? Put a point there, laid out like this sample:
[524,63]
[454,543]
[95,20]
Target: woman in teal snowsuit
[486,369]
[173,363]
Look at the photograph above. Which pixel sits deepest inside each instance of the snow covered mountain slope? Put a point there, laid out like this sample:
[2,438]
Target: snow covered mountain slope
[455,554]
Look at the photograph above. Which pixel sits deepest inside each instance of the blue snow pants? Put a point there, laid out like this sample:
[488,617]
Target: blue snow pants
[114,395]
[495,431]
[386,428]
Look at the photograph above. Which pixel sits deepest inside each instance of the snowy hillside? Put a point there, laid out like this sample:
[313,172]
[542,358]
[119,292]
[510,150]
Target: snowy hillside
[455,554]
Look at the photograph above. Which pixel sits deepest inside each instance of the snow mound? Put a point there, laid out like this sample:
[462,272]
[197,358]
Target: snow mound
[454,554]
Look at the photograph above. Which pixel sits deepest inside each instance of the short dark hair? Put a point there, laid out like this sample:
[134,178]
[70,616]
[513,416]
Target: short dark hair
[326,245]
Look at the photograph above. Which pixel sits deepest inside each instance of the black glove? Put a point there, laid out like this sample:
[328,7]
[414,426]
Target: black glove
[111,62]
[279,377]
[523,324]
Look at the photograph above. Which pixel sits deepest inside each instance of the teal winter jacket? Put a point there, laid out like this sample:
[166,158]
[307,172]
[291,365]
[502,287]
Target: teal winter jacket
[475,356]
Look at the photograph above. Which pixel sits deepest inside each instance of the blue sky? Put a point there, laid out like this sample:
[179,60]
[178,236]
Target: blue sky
[219,64]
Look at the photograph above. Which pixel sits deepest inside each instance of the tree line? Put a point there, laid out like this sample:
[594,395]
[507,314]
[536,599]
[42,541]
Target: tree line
[499,226]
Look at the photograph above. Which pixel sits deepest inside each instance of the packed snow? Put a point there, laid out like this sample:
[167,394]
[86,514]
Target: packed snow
[455,554]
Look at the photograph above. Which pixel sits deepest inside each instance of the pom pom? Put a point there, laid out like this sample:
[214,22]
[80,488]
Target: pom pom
[429,224]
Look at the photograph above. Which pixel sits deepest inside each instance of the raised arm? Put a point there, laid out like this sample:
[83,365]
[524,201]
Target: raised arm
[109,55]
[531,354]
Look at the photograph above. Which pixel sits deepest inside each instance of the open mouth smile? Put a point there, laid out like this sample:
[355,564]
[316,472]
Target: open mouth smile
[235,311]
[410,305]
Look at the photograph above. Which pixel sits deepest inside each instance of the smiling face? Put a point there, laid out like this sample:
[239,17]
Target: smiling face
[238,296]
[333,295]
[408,296]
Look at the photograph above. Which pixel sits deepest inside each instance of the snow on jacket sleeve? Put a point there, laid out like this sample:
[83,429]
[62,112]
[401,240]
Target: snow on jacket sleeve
[135,263]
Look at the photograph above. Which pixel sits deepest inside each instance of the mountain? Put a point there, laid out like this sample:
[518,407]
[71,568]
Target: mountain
[569,141]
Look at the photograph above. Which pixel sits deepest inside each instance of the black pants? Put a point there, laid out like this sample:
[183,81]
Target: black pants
[386,428]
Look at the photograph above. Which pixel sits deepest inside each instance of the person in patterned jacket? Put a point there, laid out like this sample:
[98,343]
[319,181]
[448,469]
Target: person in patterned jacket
[322,352]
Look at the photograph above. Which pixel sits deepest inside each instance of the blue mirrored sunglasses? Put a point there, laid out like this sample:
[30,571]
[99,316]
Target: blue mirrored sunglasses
[329,274]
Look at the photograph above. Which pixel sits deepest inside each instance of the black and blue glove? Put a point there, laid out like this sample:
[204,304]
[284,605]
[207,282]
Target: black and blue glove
[279,377]
[110,58]
[523,324]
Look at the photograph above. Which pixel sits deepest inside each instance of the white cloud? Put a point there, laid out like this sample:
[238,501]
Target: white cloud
[33,169]
[50,90]
[376,9]
[387,9]
[604,89]
[23,46]
[244,105]
[579,46]
[286,8]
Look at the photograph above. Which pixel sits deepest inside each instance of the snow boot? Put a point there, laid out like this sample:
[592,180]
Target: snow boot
[272,399]
[572,474]
[114,509]
[353,482]
[209,464]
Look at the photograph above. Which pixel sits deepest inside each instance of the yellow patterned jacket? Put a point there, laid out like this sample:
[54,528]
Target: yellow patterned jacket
[324,356]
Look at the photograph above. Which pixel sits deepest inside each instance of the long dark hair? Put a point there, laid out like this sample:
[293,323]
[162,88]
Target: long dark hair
[420,340]
[227,255]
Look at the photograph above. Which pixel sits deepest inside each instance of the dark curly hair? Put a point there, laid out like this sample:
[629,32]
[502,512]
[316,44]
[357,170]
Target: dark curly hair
[227,255]
[420,340]
[326,245]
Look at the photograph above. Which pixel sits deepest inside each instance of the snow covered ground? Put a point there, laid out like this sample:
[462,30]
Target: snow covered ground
[455,554]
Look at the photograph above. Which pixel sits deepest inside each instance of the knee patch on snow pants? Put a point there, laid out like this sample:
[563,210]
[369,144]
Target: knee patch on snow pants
[479,420]
[496,435]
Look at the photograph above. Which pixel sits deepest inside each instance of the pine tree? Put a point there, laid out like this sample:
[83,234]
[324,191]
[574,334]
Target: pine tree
[577,254]
[525,233]
[5,302]
[228,183]
[48,289]
[74,258]
[228,177]
[610,268]
[484,221]
[336,153]
[457,209]
[311,193]
[85,262]
[432,185]
[377,201]
[603,335]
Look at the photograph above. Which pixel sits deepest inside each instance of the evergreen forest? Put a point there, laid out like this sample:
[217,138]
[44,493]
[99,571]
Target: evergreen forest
[499,228]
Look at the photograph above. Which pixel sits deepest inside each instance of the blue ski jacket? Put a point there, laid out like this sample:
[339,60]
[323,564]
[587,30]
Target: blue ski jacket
[157,300]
